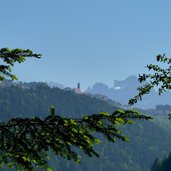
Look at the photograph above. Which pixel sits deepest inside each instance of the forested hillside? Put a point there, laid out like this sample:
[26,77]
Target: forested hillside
[27,100]
[148,139]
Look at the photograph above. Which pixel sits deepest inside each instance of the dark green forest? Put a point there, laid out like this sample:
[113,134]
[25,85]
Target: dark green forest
[148,139]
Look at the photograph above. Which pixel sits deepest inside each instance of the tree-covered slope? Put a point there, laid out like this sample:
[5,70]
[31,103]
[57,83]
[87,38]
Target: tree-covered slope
[148,139]
[35,100]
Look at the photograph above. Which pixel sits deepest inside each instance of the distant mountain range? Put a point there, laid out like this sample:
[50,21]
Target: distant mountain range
[126,89]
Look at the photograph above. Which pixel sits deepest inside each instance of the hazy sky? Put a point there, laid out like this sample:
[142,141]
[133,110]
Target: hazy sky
[86,41]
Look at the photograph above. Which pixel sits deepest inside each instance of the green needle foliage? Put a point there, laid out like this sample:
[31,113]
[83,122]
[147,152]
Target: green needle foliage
[9,57]
[25,143]
[160,77]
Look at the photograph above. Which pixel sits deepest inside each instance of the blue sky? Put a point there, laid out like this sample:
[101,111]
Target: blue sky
[86,41]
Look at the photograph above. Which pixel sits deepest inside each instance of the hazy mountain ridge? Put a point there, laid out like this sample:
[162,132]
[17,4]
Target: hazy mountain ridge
[54,84]
[126,89]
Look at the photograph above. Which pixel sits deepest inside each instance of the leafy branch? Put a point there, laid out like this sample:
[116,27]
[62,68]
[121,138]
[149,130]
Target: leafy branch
[9,57]
[25,141]
[159,78]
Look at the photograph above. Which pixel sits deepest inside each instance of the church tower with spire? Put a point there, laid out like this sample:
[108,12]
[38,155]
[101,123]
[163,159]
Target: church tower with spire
[78,85]
[77,90]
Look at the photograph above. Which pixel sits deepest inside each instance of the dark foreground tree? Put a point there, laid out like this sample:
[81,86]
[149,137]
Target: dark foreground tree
[164,165]
[156,165]
[24,143]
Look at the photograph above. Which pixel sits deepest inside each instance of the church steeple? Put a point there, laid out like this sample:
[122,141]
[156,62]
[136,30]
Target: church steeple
[77,90]
[78,85]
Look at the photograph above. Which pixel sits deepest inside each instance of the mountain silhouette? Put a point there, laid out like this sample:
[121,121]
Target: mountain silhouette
[123,90]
